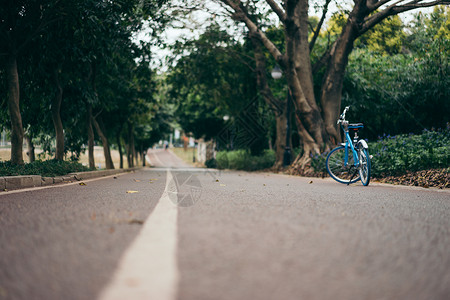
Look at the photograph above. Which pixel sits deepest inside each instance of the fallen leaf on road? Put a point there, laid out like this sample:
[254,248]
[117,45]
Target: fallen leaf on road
[310,182]
[132,192]
[217,180]
[154,179]
[137,180]
[135,221]
[82,183]
[115,177]
[223,184]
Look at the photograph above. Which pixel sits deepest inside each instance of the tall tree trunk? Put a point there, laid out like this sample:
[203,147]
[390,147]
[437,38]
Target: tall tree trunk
[90,131]
[333,79]
[14,110]
[130,146]
[119,145]
[300,82]
[56,115]
[106,150]
[31,149]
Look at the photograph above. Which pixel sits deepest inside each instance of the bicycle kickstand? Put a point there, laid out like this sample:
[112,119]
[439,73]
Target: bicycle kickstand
[351,178]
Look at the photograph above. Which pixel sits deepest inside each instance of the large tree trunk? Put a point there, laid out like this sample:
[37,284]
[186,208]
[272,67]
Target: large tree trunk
[14,110]
[298,72]
[333,79]
[90,131]
[106,150]
[56,115]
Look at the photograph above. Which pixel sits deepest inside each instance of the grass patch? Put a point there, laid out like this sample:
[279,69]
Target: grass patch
[47,168]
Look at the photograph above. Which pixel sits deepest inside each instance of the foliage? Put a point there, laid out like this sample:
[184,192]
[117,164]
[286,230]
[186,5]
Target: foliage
[398,94]
[396,155]
[386,38]
[243,160]
[48,168]
[213,78]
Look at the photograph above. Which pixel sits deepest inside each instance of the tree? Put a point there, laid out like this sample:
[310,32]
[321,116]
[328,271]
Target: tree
[316,114]
[21,21]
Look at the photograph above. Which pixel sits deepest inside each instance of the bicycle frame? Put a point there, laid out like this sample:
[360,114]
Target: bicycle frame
[348,142]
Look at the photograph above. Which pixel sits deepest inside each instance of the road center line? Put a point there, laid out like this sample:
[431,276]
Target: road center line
[148,269]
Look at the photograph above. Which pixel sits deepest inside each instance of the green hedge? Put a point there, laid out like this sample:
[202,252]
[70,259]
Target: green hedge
[395,155]
[243,160]
[47,168]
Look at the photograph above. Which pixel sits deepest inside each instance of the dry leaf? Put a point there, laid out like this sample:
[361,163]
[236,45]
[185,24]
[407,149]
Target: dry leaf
[137,180]
[135,221]
[132,192]
[223,184]
[82,183]
[310,182]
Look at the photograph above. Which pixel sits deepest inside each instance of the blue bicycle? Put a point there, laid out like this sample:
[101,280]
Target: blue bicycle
[350,161]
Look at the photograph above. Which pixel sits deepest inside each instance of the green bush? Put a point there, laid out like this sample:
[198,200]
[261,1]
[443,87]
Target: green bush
[47,168]
[243,160]
[395,155]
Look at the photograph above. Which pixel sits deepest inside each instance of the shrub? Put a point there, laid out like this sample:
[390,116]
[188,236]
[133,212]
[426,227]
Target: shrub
[396,155]
[47,168]
[243,160]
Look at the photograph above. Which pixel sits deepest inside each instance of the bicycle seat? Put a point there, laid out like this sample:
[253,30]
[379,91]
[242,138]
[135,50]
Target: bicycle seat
[356,125]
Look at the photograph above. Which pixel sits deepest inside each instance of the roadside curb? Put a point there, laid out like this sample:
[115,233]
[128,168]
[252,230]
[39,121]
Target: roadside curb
[28,181]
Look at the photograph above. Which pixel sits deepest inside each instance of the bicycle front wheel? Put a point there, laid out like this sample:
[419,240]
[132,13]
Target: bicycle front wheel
[364,166]
[338,170]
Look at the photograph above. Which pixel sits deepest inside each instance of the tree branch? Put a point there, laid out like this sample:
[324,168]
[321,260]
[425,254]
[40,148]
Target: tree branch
[240,14]
[395,9]
[278,10]
[319,26]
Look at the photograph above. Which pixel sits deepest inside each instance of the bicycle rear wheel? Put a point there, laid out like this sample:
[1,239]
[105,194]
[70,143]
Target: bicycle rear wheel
[337,168]
[364,166]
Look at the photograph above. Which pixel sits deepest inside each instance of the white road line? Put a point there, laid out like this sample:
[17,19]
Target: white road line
[148,269]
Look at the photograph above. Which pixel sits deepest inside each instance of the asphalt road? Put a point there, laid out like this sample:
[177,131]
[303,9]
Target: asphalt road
[182,233]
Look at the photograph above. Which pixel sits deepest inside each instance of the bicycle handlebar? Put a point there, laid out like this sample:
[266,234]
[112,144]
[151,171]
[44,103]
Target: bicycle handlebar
[342,116]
